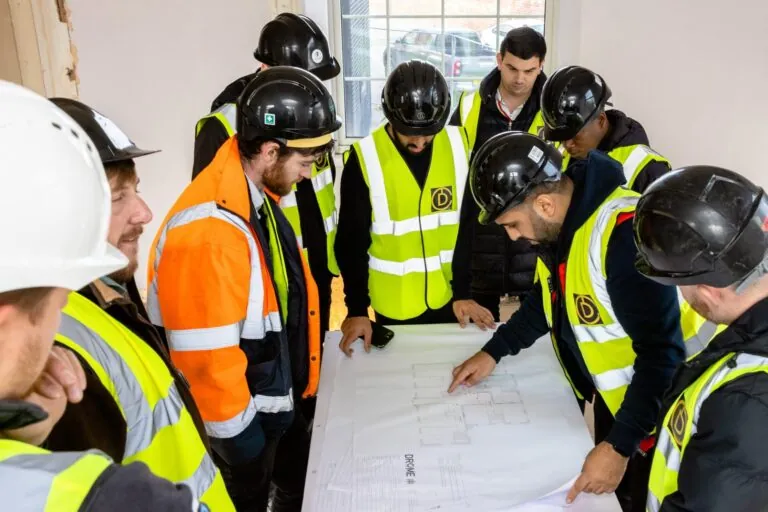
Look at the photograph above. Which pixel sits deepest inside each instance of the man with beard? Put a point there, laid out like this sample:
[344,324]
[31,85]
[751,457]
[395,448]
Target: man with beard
[136,406]
[401,193]
[573,102]
[617,334]
[703,229]
[486,263]
[232,289]
[57,246]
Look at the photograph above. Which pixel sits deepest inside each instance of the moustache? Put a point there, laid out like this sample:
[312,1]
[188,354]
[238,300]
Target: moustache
[132,234]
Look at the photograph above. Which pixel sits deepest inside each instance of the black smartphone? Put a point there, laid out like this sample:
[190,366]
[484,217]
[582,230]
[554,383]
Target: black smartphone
[381,335]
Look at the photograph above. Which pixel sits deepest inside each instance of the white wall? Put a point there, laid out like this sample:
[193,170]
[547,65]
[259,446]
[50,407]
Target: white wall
[694,72]
[154,67]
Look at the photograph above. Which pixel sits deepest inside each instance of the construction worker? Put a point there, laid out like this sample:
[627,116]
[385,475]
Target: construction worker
[573,103]
[704,229]
[233,291]
[58,245]
[616,334]
[310,206]
[136,406]
[401,193]
[486,263]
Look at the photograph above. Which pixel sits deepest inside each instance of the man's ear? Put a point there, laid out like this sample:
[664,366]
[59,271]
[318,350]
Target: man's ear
[710,295]
[498,60]
[270,151]
[545,206]
[6,313]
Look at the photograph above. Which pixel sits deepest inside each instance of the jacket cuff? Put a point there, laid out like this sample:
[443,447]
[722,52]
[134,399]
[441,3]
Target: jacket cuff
[496,348]
[357,310]
[624,438]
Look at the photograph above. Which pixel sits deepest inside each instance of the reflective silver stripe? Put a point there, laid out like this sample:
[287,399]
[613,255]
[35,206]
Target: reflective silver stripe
[205,339]
[598,278]
[467,100]
[460,162]
[322,180]
[254,326]
[26,479]
[229,111]
[378,191]
[614,379]
[300,241]
[234,425]
[634,160]
[203,477]
[414,224]
[274,404]
[401,268]
[330,222]
[288,201]
[652,504]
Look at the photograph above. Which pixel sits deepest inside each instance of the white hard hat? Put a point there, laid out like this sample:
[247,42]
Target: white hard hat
[54,198]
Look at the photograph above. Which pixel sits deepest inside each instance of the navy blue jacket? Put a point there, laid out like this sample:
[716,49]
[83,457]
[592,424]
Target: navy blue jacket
[646,310]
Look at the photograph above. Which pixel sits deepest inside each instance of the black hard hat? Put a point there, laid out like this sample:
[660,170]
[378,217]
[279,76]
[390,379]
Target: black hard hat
[507,168]
[295,40]
[571,98]
[111,142]
[701,225]
[416,99]
[288,104]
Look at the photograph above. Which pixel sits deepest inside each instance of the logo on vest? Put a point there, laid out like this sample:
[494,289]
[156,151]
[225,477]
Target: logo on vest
[678,423]
[587,309]
[442,199]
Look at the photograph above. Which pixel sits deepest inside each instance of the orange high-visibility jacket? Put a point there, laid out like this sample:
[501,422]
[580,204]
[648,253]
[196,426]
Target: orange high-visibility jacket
[211,287]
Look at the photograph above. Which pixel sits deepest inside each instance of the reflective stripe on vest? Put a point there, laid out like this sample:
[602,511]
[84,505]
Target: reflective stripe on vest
[634,159]
[697,330]
[262,315]
[225,114]
[681,420]
[159,430]
[35,479]
[602,341]
[413,230]
[322,184]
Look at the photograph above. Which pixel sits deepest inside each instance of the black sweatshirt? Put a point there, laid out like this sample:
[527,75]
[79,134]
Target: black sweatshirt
[353,234]
[647,311]
[725,465]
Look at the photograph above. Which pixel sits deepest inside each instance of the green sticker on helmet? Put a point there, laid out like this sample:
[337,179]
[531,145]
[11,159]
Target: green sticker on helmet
[269,119]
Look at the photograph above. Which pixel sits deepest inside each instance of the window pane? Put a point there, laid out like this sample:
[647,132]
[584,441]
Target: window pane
[411,38]
[522,7]
[460,86]
[493,36]
[471,8]
[362,107]
[368,7]
[364,41]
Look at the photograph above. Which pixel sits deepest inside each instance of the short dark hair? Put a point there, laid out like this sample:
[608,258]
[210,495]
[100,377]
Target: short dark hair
[250,148]
[524,43]
[31,301]
[548,187]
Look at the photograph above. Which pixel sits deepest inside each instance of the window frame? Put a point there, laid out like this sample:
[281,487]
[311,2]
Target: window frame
[335,36]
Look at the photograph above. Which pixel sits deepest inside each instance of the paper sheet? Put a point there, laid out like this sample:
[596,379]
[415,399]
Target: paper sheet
[388,436]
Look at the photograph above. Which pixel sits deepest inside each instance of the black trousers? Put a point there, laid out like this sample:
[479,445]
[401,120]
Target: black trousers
[633,489]
[248,484]
[290,466]
[443,315]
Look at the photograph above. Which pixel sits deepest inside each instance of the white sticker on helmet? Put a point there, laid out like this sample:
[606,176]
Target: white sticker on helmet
[317,56]
[535,154]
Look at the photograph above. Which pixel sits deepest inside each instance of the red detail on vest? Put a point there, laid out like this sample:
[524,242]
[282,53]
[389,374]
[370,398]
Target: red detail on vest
[647,444]
[624,217]
[561,275]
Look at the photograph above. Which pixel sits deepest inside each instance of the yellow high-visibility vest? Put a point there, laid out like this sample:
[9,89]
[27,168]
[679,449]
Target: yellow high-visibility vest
[160,431]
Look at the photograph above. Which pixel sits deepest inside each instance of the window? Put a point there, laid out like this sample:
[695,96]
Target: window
[461,38]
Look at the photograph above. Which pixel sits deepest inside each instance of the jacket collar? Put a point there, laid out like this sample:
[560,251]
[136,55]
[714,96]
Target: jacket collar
[594,179]
[232,193]
[623,131]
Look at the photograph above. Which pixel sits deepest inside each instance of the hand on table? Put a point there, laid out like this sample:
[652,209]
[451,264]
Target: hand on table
[473,370]
[601,473]
[355,327]
[466,310]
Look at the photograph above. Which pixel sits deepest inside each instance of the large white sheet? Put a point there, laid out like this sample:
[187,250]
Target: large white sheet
[388,437]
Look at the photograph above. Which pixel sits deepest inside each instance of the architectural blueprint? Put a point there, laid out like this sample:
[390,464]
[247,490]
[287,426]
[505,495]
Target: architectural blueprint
[389,437]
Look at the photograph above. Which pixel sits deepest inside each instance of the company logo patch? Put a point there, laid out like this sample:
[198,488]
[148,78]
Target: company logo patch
[587,309]
[442,199]
[678,422]
[269,119]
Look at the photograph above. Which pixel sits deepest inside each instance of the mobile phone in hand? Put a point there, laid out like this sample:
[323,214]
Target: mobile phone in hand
[381,336]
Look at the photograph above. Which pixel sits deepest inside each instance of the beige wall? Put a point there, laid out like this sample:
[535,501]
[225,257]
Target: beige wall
[154,67]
